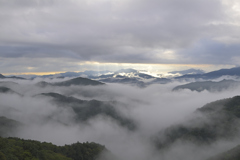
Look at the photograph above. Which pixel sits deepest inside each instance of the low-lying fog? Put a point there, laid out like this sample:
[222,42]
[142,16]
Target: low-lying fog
[152,108]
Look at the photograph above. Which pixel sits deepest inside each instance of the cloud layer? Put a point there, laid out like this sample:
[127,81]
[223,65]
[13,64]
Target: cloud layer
[153,108]
[114,31]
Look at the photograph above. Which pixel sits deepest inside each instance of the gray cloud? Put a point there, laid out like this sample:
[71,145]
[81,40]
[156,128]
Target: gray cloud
[211,52]
[137,31]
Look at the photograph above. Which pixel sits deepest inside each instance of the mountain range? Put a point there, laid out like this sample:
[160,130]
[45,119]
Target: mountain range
[213,122]
[188,71]
[211,86]
[75,81]
[138,78]
[86,110]
[12,77]
[213,75]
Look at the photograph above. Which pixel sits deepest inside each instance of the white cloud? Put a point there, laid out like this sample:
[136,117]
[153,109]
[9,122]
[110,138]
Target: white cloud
[153,108]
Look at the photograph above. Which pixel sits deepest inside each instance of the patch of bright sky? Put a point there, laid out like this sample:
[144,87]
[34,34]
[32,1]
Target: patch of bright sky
[153,69]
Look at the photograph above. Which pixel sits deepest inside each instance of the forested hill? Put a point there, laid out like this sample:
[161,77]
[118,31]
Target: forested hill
[85,110]
[214,121]
[19,149]
[79,81]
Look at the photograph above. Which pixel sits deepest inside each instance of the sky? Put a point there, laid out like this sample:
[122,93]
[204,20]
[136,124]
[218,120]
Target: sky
[39,36]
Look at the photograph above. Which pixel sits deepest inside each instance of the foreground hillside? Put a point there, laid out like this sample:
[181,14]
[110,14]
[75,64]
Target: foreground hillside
[19,149]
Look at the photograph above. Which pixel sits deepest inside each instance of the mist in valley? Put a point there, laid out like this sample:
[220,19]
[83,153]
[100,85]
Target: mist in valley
[150,110]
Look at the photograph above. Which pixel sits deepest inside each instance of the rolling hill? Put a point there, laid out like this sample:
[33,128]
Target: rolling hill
[20,149]
[86,110]
[212,122]
[75,81]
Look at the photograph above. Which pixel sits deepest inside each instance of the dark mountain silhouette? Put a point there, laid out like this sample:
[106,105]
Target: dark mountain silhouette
[160,81]
[43,84]
[132,77]
[79,81]
[5,90]
[15,77]
[145,76]
[8,90]
[2,76]
[212,75]
[12,77]
[86,110]
[209,86]
[189,71]
[134,73]
[135,81]
[125,80]
[89,74]
[216,74]
[74,81]
[105,76]
[8,127]
[214,121]
[129,70]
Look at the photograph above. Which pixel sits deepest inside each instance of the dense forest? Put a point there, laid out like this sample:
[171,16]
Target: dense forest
[19,149]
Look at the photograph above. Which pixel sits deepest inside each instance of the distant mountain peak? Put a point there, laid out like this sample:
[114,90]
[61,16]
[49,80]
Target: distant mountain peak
[79,81]
[210,86]
[188,71]
[129,70]
[212,75]
[75,81]
[13,77]
[2,76]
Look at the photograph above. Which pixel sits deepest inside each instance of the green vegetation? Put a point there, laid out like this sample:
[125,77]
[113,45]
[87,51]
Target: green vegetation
[79,81]
[19,149]
[214,121]
[233,106]
[8,126]
[75,81]
[86,110]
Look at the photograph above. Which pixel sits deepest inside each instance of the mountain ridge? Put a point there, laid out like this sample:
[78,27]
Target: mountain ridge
[86,110]
[211,86]
[214,121]
[75,81]
[213,75]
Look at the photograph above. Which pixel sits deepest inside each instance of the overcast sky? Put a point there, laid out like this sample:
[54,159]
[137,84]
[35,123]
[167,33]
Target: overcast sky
[74,35]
